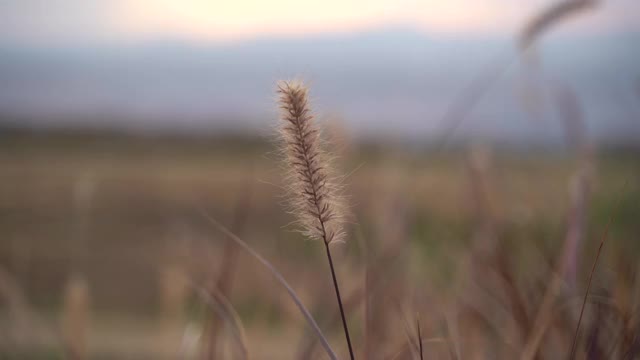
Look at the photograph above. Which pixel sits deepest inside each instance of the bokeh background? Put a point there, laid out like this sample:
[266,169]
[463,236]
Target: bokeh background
[476,138]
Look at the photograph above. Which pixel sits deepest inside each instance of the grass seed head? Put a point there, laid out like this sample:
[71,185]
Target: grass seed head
[313,192]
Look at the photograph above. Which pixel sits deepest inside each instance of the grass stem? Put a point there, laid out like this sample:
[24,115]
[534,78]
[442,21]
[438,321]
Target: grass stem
[335,285]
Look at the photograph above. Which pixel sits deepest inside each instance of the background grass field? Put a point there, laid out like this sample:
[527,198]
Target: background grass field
[123,214]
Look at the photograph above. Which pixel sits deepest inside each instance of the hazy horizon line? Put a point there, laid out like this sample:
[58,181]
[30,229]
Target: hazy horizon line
[381,29]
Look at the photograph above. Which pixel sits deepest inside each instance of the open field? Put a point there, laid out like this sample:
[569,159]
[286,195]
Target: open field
[119,219]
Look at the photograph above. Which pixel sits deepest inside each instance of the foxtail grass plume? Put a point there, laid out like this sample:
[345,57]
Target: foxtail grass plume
[313,193]
[312,189]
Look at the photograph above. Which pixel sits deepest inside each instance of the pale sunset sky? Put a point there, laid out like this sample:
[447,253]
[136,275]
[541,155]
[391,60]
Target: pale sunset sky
[99,21]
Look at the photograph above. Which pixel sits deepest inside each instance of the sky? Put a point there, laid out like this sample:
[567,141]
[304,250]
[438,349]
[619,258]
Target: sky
[212,64]
[64,22]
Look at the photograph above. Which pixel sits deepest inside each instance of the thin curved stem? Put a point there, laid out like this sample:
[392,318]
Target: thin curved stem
[276,274]
[335,285]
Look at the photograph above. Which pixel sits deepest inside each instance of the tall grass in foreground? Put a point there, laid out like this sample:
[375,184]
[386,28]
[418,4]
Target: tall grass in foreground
[313,191]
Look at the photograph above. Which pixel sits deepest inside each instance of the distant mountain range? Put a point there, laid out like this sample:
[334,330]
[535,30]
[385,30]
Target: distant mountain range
[395,82]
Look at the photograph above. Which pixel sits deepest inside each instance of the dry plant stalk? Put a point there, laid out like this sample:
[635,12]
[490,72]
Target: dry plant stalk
[313,191]
[479,87]
[221,305]
[549,17]
[174,294]
[76,317]
[379,276]
[292,294]
[586,294]
[223,283]
[419,336]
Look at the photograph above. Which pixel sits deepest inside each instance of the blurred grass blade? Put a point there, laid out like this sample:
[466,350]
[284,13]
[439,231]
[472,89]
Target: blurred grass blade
[452,335]
[281,280]
[23,313]
[407,331]
[593,270]
[479,87]
[223,283]
[218,302]
[467,100]
[549,17]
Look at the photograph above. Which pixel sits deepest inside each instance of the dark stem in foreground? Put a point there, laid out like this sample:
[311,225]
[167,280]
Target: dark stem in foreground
[593,269]
[335,285]
[586,294]
[419,337]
